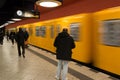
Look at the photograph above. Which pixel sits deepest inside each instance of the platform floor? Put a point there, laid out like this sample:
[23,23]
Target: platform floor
[40,65]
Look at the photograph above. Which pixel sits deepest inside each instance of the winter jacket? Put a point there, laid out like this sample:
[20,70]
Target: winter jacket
[64,44]
[20,37]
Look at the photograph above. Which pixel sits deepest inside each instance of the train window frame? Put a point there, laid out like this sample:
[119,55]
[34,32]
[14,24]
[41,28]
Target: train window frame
[58,28]
[24,29]
[109,32]
[52,29]
[37,31]
[75,30]
[43,31]
[30,30]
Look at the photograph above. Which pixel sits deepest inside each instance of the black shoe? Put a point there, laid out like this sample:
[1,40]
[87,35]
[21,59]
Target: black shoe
[23,56]
[19,55]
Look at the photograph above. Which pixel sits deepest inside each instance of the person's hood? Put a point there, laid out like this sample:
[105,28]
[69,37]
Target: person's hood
[63,34]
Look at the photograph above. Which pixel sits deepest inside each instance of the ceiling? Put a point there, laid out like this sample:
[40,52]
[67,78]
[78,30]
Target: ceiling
[8,8]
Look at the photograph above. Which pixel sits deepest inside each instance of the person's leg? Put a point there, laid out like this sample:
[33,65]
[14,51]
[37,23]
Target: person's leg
[23,50]
[2,41]
[65,70]
[19,51]
[12,41]
[7,38]
[59,68]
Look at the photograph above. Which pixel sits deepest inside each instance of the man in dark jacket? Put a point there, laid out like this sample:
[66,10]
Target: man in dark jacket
[12,37]
[20,39]
[2,34]
[64,44]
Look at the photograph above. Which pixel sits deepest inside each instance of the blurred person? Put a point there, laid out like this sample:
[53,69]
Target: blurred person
[20,39]
[1,36]
[64,44]
[7,35]
[12,37]
[26,38]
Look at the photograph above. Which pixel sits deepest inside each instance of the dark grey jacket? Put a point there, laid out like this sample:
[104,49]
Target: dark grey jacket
[64,44]
[20,37]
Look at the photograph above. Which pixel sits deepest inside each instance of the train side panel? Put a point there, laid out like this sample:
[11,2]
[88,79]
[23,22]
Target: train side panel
[79,26]
[107,37]
[80,29]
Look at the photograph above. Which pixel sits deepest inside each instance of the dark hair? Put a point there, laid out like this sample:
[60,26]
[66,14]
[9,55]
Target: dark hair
[20,29]
[65,30]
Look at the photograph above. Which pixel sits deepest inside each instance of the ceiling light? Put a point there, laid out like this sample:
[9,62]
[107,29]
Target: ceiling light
[16,19]
[28,14]
[49,3]
[11,22]
[19,13]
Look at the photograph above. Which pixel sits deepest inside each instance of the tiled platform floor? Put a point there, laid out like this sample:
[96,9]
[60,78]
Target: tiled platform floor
[40,65]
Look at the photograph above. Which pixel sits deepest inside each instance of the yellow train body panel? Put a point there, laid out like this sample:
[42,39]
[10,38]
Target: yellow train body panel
[107,54]
[82,52]
[92,35]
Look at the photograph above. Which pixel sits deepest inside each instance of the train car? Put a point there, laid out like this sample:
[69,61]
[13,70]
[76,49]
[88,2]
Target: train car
[96,37]
[107,40]
[79,26]
[81,30]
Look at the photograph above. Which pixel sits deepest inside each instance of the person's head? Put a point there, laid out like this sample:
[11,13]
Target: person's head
[65,30]
[20,29]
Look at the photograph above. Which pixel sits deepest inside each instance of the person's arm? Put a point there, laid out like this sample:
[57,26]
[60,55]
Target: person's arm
[73,43]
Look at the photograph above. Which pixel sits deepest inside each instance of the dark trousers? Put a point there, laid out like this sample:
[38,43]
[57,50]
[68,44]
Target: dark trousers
[21,48]
[12,41]
[1,40]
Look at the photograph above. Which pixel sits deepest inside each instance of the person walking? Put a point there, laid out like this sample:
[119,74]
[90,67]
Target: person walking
[7,35]
[1,36]
[64,44]
[20,39]
[12,37]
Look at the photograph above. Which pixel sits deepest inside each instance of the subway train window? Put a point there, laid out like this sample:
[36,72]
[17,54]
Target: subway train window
[52,31]
[110,32]
[23,29]
[58,29]
[75,31]
[42,31]
[30,30]
[37,31]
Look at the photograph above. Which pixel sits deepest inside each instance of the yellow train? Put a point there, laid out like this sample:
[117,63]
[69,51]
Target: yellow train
[96,35]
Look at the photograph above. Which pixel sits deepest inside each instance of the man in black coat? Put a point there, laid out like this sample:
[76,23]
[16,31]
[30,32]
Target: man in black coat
[2,33]
[64,44]
[12,37]
[1,36]
[20,39]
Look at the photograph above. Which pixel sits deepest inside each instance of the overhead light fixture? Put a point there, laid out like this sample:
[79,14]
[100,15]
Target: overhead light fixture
[19,12]
[28,14]
[16,19]
[11,22]
[49,3]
